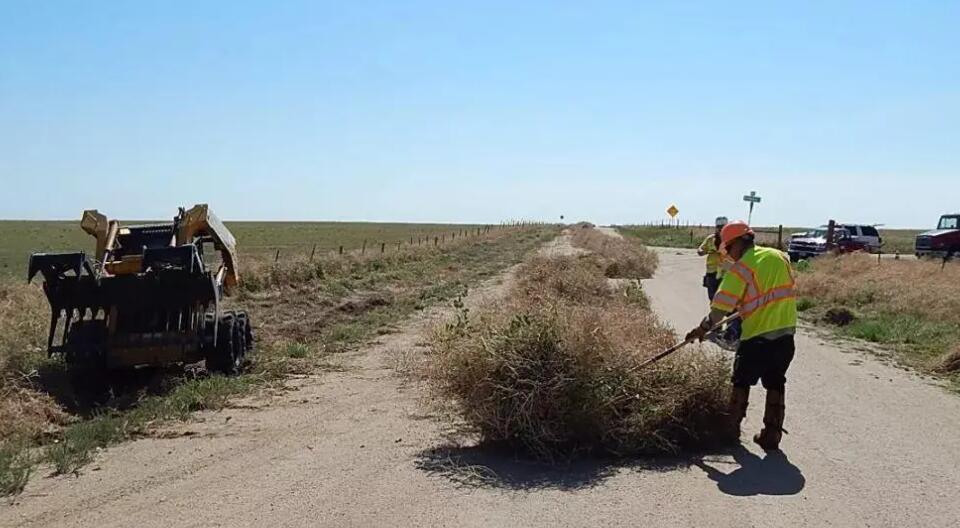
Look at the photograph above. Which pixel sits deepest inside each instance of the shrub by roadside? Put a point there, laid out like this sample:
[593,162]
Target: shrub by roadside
[623,258]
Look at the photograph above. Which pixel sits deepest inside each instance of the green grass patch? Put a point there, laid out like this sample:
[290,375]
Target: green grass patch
[15,467]
[667,236]
[76,448]
[918,341]
[297,350]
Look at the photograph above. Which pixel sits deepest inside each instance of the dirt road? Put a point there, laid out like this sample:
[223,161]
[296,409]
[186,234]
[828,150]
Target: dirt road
[870,445]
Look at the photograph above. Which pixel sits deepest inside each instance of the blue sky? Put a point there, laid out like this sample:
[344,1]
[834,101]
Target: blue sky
[477,112]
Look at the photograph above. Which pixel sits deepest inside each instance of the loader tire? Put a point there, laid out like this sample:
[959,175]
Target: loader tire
[239,344]
[246,333]
[226,357]
[248,336]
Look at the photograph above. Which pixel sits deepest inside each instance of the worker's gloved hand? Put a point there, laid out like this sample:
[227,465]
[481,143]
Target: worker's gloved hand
[698,333]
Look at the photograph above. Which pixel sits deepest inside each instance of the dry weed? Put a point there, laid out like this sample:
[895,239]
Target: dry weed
[24,316]
[623,258]
[25,414]
[28,414]
[950,362]
[920,288]
[552,370]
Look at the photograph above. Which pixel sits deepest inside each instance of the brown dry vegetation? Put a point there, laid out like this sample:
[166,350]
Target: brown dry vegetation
[914,305]
[24,412]
[950,362]
[551,370]
[623,258]
[328,302]
[303,312]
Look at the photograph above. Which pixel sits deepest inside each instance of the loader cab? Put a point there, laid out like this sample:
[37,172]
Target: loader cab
[127,254]
[134,239]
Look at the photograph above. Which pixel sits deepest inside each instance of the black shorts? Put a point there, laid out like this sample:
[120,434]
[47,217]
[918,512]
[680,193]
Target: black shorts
[712,284]
[762,359]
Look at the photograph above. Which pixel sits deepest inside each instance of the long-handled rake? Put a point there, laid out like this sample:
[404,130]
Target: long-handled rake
[728,319]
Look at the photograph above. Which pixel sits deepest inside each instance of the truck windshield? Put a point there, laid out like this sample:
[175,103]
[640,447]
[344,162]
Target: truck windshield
[822,233]
[948,222]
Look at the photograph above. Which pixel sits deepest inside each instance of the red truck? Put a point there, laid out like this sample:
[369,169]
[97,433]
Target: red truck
[944,241]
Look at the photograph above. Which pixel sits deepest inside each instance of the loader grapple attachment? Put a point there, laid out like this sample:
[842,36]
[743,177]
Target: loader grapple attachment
[148,298]
[54,266]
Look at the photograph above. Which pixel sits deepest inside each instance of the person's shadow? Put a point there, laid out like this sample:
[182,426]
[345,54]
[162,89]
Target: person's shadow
[772,474]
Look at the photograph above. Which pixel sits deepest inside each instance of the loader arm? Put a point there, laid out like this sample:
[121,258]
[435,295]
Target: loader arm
[200,221]
[95,223]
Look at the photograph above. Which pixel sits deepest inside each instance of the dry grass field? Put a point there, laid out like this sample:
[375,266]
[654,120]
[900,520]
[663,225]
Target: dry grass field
[293,239]
[912,306]
[304,311]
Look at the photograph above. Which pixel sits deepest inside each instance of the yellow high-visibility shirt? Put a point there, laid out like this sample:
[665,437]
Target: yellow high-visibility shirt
[713,254]
[760,286]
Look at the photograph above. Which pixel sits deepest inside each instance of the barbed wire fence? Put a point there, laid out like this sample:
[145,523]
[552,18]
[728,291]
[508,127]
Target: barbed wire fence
[376,246]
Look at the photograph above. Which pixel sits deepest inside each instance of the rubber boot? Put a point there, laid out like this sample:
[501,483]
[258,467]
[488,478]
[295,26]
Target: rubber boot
[739,400]
[772,432]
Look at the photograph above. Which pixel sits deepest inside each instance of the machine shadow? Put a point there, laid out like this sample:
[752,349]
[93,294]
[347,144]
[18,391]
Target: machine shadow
[87,392]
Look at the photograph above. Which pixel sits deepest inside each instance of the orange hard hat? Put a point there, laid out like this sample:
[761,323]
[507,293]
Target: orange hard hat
[733,231]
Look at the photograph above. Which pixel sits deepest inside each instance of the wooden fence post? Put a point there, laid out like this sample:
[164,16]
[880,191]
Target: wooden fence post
[780,237]
[383,247]
[831,230]
[313,252]
[341,250]
[277,258]
[363,248]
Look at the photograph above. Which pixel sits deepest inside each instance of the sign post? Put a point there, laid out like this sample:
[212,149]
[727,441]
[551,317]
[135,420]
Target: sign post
[752,199]
[673,211]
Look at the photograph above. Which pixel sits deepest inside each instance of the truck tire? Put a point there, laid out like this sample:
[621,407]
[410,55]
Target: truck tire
[226,356]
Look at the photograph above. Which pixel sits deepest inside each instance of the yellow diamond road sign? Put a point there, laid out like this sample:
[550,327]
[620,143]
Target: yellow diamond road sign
[673,211]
